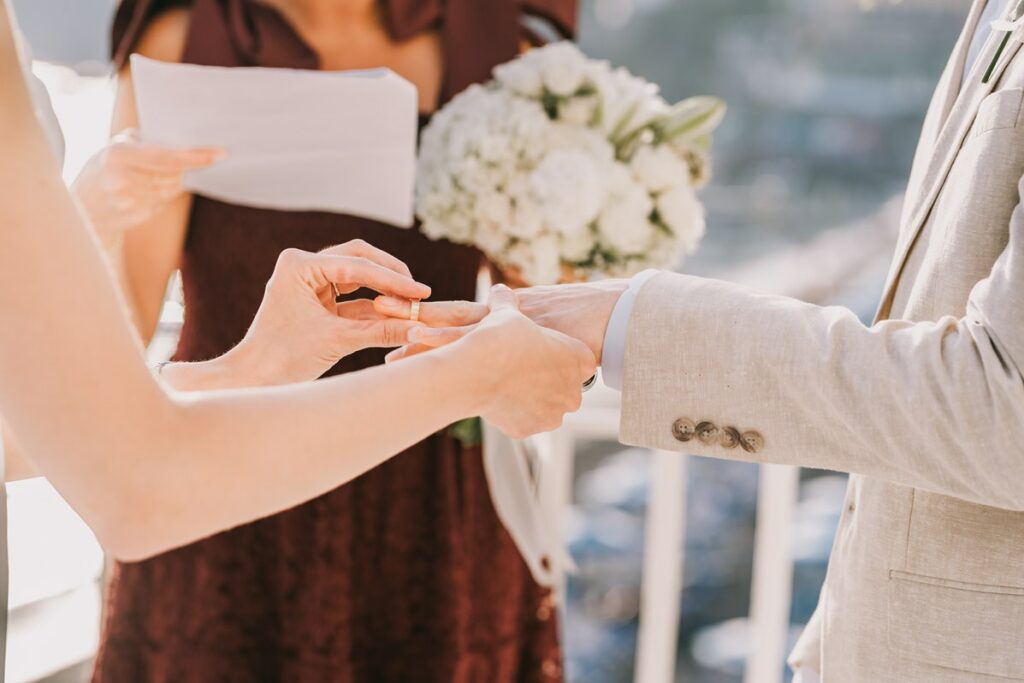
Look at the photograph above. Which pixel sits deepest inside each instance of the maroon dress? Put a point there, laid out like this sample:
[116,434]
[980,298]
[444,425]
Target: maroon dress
[405,574]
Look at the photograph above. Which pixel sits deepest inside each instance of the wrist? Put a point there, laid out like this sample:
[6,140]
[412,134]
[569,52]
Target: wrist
[244,366]
[238,368]
[474,374]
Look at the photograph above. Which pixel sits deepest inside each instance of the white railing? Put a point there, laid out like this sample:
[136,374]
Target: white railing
[664,538]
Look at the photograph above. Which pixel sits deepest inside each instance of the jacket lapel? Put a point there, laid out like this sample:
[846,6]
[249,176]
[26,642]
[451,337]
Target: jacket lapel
[933,163]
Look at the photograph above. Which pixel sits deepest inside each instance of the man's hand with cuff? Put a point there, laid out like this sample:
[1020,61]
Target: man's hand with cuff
[596,313]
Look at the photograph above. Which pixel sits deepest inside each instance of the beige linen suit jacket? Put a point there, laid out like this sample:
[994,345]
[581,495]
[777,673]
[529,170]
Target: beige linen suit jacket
[925,408]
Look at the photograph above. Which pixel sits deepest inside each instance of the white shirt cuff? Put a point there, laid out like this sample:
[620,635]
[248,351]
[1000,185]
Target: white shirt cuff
[613,355]
[805,675]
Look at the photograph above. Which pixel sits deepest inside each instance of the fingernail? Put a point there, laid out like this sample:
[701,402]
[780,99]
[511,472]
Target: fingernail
[413,336]
[425,289]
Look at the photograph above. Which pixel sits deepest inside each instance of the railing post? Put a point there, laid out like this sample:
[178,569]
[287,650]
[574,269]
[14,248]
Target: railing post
[661,587]
[772,585]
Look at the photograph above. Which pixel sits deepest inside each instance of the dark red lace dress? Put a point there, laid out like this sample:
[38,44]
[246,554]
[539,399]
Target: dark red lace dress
[403,575]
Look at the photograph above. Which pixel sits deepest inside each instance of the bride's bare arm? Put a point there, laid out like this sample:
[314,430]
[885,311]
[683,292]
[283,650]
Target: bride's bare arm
[149,471]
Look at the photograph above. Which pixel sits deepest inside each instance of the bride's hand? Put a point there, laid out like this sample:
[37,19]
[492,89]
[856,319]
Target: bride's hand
[533,376]
[300,331]
[129,182]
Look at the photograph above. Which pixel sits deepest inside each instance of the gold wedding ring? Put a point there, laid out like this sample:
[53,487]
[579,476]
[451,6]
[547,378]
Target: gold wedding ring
[414,310]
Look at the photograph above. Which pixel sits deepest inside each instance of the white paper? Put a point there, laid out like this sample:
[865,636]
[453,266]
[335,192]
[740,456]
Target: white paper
[296,139]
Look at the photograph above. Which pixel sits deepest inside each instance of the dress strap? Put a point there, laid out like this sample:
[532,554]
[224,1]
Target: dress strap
[130,19]
[478,36]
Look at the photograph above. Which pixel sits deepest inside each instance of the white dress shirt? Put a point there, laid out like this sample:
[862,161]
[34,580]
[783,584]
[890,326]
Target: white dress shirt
[613,354]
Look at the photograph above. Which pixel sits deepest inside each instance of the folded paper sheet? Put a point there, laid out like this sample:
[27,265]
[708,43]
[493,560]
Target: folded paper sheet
[296,140]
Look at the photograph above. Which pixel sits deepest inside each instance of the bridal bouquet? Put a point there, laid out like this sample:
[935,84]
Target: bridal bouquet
[563,166]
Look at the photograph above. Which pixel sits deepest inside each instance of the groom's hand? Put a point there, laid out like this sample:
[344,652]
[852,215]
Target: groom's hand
[578,310]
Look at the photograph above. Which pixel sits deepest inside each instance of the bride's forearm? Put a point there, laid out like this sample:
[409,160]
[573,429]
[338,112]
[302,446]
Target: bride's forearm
[250,454]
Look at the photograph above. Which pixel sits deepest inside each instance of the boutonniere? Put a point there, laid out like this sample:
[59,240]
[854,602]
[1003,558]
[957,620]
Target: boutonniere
[1011,27]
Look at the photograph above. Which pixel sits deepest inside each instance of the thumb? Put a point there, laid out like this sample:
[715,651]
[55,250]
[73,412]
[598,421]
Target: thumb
[503,298]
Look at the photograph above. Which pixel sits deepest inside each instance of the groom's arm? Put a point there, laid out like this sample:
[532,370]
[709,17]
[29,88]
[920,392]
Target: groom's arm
[934,405]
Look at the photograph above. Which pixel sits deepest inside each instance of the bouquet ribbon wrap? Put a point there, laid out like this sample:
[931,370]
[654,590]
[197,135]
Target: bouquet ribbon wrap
[517,495]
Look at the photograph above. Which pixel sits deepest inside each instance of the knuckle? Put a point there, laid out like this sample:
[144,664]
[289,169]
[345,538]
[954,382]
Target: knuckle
[390,335]
[576,402]
[289,257]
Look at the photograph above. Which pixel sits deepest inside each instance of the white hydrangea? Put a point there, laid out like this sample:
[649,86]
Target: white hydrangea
[538,260]
[625,222]
[570,190]
[578,248]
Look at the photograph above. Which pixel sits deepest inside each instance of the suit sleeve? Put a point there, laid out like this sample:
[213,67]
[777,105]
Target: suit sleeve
[715,369]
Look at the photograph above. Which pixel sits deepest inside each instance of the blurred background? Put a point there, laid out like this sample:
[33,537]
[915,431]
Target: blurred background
[826,98]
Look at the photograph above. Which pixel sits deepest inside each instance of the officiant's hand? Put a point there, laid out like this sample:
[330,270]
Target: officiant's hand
[300,331]
[129,181]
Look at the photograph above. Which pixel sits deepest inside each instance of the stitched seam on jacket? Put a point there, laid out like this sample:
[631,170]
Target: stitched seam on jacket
[954,584]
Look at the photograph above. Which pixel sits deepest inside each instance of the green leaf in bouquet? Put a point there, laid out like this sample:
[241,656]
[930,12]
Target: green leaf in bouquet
[468,432]
[550,104]
[621,130]
[693,119]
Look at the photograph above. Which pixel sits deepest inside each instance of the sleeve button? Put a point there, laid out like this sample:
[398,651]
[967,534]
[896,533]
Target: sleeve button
[752,442]
[707,432]
[683,430]
[729,438]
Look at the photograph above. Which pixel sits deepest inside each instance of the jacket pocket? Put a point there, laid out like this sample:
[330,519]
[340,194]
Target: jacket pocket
[999,110]
[968,627]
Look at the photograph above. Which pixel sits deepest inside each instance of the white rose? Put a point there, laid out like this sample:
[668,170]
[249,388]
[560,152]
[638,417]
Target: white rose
[659,168]
[563,68]
[569,188]
[521,77]
[625,223]
[683,214]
